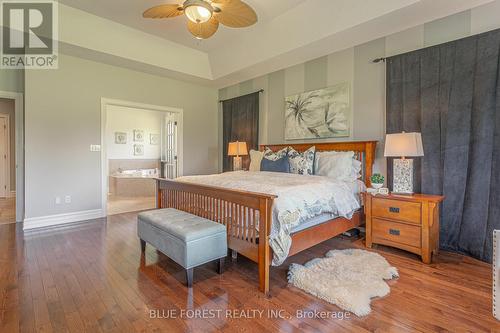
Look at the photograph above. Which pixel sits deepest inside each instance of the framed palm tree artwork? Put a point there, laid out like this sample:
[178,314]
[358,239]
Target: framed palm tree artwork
[323,113]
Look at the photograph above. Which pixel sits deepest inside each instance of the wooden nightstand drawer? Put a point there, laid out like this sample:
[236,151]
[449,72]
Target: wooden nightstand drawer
[397,210]
[396,220]
[396,232]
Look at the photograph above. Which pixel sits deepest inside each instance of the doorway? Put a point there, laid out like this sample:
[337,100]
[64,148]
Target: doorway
[140,143]
[15,195]
[7,161]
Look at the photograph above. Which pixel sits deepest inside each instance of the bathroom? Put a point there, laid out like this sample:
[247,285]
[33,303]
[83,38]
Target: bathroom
[134,155]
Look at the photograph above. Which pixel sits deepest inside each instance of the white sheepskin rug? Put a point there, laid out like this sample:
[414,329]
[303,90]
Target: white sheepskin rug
[347,278]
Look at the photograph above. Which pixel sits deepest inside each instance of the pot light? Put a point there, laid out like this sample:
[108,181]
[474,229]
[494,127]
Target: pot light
[198,11]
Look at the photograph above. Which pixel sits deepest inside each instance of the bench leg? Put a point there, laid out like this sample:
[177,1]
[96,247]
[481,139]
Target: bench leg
[220,265]
[189,277]
[143,246]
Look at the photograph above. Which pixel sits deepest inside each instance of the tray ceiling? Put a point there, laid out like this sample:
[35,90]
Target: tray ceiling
[288,32]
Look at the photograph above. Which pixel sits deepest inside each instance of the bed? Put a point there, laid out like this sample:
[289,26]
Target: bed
[248,214]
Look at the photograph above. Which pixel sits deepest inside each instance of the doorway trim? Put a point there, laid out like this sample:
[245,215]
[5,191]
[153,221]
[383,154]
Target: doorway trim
[19,137]
[7,184]
[105,102]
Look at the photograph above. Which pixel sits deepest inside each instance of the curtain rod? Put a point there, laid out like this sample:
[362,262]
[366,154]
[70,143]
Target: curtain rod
[258,91]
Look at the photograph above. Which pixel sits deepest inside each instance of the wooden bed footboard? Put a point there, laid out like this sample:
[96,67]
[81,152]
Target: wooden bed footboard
[246,215]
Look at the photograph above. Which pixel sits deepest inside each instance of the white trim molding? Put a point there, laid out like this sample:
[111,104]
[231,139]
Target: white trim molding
[105,102]
[61,219]
[496,274]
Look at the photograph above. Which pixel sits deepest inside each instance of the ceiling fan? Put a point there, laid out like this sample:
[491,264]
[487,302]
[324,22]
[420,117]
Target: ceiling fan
[204,16]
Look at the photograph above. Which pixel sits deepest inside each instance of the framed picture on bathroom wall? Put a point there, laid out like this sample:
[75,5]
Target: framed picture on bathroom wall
[138,135]
[138,150]
[120,138]
[154,139]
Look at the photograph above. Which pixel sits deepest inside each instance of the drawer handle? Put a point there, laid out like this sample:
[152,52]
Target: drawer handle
[394,232]
[394,209]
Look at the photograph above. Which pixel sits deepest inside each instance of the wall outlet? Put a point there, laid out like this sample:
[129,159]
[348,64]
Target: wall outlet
[58,200]
[67,199]
[95,147]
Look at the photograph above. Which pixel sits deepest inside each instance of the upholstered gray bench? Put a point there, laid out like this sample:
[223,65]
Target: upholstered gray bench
[187,239]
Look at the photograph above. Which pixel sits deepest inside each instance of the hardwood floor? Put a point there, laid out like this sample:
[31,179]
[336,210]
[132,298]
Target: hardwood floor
[91,278]
[122,204]
[7,210]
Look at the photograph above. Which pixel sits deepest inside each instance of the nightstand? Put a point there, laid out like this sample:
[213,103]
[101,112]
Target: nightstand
[408,222]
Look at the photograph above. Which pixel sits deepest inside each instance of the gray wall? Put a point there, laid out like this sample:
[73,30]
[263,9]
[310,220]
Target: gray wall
[63,107]
[354,66]
[63,117]
[12,80]
[7,106]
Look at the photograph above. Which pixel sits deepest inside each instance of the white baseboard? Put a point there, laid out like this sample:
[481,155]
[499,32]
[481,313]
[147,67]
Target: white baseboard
[60,219]
[496,274]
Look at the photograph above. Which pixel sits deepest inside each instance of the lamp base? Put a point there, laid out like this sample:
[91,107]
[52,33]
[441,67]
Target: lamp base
[403,176]
[237,163]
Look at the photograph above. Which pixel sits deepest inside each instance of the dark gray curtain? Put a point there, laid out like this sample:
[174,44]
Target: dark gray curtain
[240,123]
[451,93]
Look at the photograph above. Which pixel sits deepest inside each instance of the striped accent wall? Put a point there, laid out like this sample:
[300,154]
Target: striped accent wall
[354,66]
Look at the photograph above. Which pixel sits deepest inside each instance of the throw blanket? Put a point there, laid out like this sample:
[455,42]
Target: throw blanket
[299,199]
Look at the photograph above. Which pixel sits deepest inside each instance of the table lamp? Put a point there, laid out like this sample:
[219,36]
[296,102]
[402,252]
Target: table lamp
[403,145]
[237,149]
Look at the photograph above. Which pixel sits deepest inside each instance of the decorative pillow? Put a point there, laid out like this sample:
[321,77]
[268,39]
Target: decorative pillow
[302,163]
[280,165]
[338,165]
[255,160]
[273,156]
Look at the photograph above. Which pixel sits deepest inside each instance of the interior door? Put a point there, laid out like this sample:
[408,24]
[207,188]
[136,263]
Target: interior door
[169,147]
[3,157]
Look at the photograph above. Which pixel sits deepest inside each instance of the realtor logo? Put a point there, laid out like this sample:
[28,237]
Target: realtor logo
[29,34]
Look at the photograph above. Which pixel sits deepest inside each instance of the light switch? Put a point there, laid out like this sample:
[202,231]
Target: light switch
[95,147]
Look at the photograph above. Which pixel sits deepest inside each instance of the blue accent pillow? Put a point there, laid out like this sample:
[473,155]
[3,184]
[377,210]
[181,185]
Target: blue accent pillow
[280,165]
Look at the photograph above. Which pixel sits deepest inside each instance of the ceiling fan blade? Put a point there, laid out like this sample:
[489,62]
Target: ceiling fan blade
[164,11]
[203,30]
[234,13]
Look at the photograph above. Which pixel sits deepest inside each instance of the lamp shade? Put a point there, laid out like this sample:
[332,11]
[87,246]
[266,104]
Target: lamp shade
[237,149]
[403,145]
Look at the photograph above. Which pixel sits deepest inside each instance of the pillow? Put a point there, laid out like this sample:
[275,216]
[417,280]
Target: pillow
[302,163]
[356,168]
[280,165]
[338,165]
[273,156]
[255,160]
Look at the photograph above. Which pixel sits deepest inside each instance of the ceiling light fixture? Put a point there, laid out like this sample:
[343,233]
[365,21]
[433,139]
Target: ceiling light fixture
[198,11]
[204,16]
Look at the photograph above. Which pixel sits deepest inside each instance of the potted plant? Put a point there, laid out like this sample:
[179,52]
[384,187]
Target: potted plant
[377,180]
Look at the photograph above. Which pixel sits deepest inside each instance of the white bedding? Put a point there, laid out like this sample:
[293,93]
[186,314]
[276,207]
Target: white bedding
[300,198]
[357,187]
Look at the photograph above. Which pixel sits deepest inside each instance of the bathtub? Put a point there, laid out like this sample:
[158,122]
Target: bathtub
[138,173]
[133,183]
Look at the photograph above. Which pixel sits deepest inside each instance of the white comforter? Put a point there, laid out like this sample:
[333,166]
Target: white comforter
[299,198]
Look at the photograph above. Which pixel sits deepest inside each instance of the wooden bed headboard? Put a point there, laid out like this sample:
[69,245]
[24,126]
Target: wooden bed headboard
[364,150]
